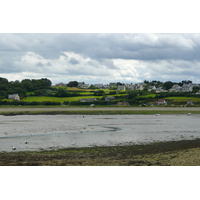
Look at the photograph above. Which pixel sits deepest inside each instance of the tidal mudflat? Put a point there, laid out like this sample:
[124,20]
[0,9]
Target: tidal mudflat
[46,132]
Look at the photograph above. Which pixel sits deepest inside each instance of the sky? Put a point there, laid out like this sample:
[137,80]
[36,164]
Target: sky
[100,57]
[100,43]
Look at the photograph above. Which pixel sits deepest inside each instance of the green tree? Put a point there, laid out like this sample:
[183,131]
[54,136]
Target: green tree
[168,85]
[99,93]
[195,89]
[44,83]
[28,85]
[61,92]
[4,84]
[132,95]
[72,84]
[3,81]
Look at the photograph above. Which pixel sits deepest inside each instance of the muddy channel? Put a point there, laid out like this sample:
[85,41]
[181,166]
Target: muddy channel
[39,132]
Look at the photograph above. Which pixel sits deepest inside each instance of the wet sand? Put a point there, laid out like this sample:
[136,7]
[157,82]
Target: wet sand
[38,132]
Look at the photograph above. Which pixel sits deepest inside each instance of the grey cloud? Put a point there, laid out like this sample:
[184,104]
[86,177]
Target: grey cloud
[74,61]
[92,63]
[63,54]
[40,64]
[49,64]
[100,49]
[6,63]
[109,63]
[134,46]
[106,46]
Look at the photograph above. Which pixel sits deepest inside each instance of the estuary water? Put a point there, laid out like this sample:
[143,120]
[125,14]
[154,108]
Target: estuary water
[39,132]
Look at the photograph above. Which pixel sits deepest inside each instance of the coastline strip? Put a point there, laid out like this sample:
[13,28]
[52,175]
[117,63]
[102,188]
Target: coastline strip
[98,110]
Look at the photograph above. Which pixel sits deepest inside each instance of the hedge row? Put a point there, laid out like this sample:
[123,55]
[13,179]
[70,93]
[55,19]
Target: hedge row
[33,103]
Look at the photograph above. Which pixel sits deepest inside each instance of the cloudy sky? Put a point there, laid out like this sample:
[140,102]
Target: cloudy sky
[100,43]
[100,58]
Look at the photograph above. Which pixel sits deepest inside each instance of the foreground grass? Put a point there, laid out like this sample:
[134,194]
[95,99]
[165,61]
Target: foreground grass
[179,153]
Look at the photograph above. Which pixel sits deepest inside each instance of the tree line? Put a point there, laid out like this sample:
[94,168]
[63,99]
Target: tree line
[23,87]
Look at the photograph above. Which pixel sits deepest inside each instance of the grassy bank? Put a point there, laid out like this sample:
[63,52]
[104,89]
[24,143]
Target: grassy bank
[179,153]
[97,112]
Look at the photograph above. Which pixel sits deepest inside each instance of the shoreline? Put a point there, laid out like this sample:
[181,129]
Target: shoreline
[97,110]
[173,153]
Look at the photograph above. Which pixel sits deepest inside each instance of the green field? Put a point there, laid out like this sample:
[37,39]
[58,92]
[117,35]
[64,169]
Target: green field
[62,99]
[183,98]
[57,99]
[148,96]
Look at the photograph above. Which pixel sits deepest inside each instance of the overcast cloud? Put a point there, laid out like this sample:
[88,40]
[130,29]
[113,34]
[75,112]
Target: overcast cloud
[100,58]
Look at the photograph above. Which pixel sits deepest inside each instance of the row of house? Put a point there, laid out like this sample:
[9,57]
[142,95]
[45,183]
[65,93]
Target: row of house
[82,85]
[137,86]
[175,88]
[184,88]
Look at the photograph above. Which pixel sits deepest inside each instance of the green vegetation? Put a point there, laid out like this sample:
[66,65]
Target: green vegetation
[195,99]
[54,99]
[41,92]
[96,111]
[148,96]
[24,87]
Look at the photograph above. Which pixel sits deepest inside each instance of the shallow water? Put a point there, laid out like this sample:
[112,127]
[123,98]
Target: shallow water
[36,132]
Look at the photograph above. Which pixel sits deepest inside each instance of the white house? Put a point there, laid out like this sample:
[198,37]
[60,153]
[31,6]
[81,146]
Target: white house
[151,88]
[159,89]
[121,87]
[106,87]
[88,100]
[84,86]
[100,86]
[140,86]
[161,102]
[198,93]
[187,88]
[130,86]
[61,84]
[80,84]
[14,97]
[122,104]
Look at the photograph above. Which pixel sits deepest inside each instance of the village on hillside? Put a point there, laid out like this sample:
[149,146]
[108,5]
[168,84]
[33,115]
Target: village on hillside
[42,92]
[184,86]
